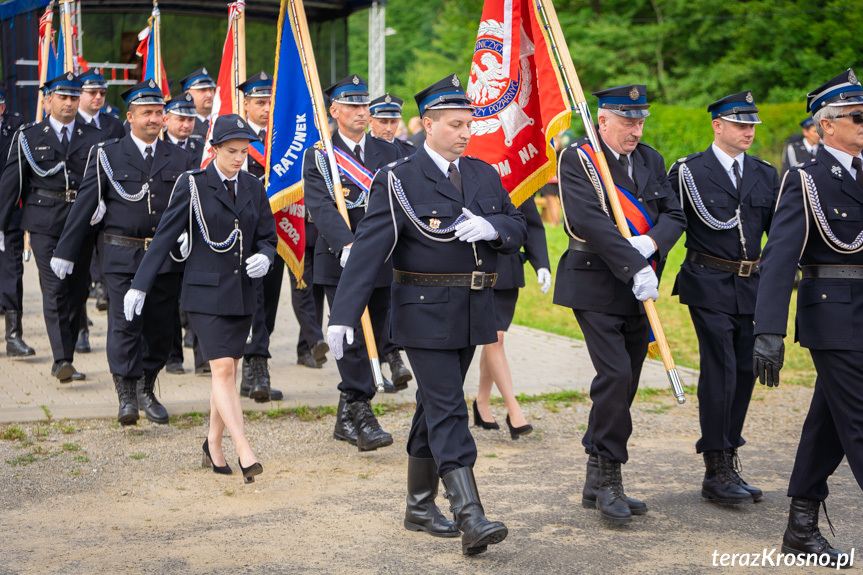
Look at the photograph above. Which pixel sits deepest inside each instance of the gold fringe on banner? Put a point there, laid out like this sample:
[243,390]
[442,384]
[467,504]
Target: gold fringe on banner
[530,185]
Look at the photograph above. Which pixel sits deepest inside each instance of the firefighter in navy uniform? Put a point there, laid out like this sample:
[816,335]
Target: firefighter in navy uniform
[386,113]
[202,88]
[90,112]
[45,167]
[443,304]
[355,422]
[817,226]
[11,259]
[801,147]
[256,372]
[133,178]
[604,277]
[728,197]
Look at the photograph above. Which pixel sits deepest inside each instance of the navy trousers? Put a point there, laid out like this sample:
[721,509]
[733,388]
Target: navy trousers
[12,271]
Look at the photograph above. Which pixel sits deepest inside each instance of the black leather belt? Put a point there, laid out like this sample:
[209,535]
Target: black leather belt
[65,195]
[475,280]
[743,268]
[832,272]
[579,246]
[123,241]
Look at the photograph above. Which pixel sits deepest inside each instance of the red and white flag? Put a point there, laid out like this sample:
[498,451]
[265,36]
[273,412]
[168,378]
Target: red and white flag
[225,101]
[519,97]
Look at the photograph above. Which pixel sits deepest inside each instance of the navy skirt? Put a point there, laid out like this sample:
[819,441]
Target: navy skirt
[504,307]
[220,335]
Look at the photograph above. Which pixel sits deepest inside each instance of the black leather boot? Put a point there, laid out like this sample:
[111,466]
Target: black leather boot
[735,468]
[370,435]
[345,430]
[15,345]
[147,400]
[421,513]
[401,375]
[260,390]
[591,488]
[802,536]
[249,378]
[83,343]
[719,484]
[128,414]
[477,532]
[610,499]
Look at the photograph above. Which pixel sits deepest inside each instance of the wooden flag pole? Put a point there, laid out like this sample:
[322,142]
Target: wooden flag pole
[314,83]
[576,95]
[44,54]
[66,23]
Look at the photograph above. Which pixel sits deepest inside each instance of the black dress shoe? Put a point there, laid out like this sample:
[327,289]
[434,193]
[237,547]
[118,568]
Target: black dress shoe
[319,352]
[478,421]
[175,367]
[370,435]
[202,369]
[77,375]
[83,343]
[308,360]
[207,461]
[516,432]
[63,370]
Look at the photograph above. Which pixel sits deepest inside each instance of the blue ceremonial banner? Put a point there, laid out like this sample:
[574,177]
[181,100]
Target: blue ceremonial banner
[59,61]
[291,130]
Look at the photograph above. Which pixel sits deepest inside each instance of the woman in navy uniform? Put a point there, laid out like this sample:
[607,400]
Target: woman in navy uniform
[130,181]
[817,226]
[493,366]
[228,218]
[44,170]
[442,301]
[604,277]
[728,197]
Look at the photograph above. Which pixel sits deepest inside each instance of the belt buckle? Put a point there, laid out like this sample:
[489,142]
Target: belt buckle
[745,265]
[147,243]
[477,280]
[71,195]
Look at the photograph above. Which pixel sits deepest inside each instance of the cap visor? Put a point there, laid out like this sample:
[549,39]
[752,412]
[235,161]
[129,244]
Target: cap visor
[852,101]
[742,118]
[353,100]
[631,113]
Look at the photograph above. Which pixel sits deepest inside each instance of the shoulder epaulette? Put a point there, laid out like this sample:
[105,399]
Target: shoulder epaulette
[399,162]
[197,171]
[579,142]
[408,143]
[108,142]
[765,162]
[685,159]
[648,146]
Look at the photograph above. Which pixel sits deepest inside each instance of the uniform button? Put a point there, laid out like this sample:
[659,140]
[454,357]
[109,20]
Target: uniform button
[422,297]
[626,268]
[434,212]
[236,272]
[236,222]
[824,296]
[844,215]
[237,254]
[657,193]
[641,200]
[589,264]
[494,207]
[151,179]
[479,262]
[153,229]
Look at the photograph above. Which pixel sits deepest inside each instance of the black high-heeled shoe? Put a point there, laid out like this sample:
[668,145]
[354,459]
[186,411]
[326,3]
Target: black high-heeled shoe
[249,472]
[207,461]
[516,432]
[479,422]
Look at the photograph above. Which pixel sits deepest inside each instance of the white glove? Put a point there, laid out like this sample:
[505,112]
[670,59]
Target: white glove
[133,303]
[2,241]
[61,268]
[543,276]
[475,228]
[98,214]
[645,285]
[183,240]
[257,266]
[346,252]
[335,335]
[644,245]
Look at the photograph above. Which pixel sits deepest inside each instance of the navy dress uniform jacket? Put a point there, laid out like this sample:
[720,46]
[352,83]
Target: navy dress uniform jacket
[510,268]
[334,233]
[214,283]
[422,316]
[123,217]
[713,289]
[405,147]
[42,214]
[110,126]
[829,311]
[10,125]
[602,281]
[795,152]
[201,128]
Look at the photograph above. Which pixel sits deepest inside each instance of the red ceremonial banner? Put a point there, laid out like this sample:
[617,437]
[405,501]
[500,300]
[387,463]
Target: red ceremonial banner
[519,97]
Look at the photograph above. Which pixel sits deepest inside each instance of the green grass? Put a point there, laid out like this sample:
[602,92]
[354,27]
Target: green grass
[138,456]
[12,433]
[535,310]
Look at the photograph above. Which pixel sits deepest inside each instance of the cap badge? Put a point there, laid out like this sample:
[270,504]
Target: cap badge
[434,223]
[70,76]
[188,97]
[204,70]
[455,81]
[851,76]
[836,171]
[356,80]
[97,71]
[388,99]
[749,98]
[633,94]
[152,83]
[240,124]
[263,75]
